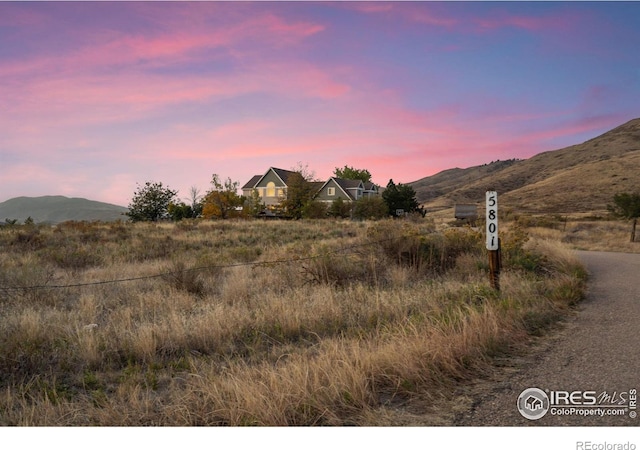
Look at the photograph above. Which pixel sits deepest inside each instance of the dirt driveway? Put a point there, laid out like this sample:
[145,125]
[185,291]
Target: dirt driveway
[597,350]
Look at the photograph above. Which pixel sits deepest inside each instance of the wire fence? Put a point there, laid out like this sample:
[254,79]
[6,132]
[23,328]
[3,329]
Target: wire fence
[343,250]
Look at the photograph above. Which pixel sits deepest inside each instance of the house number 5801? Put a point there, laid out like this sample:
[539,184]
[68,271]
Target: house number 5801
[492,220]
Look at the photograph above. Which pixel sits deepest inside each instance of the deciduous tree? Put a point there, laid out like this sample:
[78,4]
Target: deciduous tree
[627,206]
[222,200]
[195,202]
[150,202]
[303,169]
[253,205]
[351,173]
[299,193]
[179,211]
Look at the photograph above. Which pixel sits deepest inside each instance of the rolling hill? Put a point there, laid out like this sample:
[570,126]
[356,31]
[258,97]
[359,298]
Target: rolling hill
[57,208]
[581,178]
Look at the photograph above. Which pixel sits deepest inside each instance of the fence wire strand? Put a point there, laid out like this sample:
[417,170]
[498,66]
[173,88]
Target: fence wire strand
[343,250]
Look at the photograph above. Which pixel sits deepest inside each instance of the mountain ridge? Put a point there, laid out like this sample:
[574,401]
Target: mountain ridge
[580,178]
[54,209]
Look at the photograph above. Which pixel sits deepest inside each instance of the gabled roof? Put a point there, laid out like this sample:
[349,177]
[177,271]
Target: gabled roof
[349,184]
[369,186]
[346,186]
[252,182]
[283,174]
[315,186]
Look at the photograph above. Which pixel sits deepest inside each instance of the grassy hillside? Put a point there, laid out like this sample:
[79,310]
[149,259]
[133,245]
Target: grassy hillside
[441,184]
[56,209]
[579,178]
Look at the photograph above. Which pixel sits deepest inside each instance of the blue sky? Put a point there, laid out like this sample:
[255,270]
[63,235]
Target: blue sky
[96,97]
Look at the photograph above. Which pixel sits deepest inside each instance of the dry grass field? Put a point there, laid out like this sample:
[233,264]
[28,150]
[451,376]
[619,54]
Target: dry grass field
[262,322]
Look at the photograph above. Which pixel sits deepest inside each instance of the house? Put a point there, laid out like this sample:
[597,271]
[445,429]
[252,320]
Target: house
[272,188]
[335,188]
[370,189]
[533,403]
[345,189]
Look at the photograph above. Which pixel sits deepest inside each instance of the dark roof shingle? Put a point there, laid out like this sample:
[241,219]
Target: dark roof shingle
[252,182]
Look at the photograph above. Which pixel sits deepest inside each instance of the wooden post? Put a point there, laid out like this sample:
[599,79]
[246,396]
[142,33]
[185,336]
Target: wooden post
[495,264]
[493,240]
[633,229]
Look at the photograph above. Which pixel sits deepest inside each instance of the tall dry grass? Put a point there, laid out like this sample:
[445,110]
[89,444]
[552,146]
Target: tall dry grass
[259,323]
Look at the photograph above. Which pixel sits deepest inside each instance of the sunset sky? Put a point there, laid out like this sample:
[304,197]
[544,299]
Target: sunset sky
[96,97]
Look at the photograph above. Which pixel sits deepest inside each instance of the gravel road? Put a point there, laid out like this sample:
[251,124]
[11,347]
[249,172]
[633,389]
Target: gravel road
[598,350]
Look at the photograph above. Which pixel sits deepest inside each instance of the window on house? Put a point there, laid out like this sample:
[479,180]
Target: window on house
[271,189]
[331,191]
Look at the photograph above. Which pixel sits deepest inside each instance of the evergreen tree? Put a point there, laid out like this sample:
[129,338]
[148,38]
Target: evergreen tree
[401,197]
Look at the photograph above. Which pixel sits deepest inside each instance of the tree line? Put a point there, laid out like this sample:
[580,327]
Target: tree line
[154,201]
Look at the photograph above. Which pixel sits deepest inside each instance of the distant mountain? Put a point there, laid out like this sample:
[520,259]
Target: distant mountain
[57,208]
[578,179]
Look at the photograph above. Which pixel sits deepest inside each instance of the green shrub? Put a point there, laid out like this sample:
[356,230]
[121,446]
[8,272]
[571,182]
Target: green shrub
[315,210]
[370,208]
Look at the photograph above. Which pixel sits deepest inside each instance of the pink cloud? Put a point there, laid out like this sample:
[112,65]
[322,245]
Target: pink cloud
[302,80]
[115,85]
[75,83]
[420,12]
[109,48]
[588,124]
[426,17]
[94,98]
[14,14]
[369,7]
[556,22]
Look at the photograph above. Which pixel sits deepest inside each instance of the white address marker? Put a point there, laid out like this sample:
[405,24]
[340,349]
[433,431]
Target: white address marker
[492,220]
